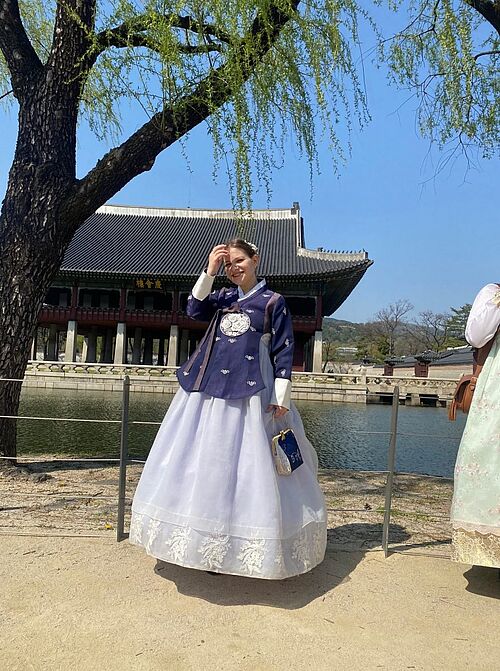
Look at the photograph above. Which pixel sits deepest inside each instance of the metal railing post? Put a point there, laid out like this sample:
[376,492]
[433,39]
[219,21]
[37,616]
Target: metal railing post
[122,481]
[391,458]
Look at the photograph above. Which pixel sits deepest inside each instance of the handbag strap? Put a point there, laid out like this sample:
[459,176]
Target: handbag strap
[276,428]
[480,355]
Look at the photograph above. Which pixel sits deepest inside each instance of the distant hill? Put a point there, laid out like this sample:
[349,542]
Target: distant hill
[339,330]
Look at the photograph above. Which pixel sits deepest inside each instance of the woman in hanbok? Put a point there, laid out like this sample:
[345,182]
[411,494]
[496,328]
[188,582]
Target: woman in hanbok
[210,497]
[475,513]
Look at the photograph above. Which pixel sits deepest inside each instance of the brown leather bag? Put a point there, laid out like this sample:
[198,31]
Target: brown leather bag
[464,391]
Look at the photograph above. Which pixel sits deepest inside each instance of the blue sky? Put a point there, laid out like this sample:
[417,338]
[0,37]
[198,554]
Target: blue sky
[434,240]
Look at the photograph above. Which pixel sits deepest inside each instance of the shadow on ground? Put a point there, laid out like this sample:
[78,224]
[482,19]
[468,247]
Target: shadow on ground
[483,580]
[297,592]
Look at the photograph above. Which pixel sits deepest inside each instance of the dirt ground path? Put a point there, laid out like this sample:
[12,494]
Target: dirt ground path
[89,603]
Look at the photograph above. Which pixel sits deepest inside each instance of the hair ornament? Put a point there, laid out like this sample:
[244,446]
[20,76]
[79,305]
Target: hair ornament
[254,247]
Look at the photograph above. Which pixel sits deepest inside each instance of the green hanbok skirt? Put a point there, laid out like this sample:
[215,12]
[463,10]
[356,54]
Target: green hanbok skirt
[475,512]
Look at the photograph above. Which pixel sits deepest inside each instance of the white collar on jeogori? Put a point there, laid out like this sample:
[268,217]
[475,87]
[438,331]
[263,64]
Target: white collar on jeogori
[257,287]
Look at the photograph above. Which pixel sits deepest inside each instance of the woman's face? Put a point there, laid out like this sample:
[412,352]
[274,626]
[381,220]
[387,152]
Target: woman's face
[241,268]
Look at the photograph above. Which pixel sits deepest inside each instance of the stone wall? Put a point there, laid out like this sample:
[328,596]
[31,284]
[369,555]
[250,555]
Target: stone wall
[329,387]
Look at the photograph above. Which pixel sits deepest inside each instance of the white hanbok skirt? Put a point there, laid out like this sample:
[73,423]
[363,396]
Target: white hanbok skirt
[209,496]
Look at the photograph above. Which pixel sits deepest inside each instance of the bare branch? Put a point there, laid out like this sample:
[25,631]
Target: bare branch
[416,21]
[431,330]
[19,54]
[7,93]
[486,53]
[390,319]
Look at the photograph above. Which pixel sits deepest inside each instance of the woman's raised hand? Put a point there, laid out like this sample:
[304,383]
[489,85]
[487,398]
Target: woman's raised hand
[217,256]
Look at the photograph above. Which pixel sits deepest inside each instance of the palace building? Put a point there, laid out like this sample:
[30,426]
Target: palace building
[121,292]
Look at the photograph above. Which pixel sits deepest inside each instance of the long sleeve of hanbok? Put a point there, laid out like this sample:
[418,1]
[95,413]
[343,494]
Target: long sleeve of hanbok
[202,301]
[281,353]
[484,317]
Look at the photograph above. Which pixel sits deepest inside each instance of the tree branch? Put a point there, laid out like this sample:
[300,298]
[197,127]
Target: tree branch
[73,27]
[19,54]
[138,153]
[486,53]
[140,40]
[488,10]
[125,34]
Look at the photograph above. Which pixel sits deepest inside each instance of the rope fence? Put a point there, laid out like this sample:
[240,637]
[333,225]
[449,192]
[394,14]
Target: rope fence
[126,458]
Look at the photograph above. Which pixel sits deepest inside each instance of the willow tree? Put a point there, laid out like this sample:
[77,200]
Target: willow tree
[255,71]
[448,56]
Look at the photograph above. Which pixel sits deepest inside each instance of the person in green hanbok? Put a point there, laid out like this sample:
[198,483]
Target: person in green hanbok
[475,512]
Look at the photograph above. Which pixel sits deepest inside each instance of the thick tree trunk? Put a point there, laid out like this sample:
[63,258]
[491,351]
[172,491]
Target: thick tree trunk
[35,227]
[34,234]
[27,268]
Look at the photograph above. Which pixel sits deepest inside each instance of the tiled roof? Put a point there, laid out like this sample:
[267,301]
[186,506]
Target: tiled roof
[454,357]
[144,241]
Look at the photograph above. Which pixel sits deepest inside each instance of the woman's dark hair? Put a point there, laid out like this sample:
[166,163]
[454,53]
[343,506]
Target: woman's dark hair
[249,248]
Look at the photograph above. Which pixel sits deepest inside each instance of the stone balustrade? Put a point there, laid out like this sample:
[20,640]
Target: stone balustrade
[345,387]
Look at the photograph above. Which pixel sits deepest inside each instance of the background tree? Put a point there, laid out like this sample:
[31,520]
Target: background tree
[255,71]
[430,331]
[329,352]
[372,344]
[456,325]
[389,322]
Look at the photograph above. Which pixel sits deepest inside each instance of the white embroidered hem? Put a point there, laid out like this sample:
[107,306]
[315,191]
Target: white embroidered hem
[271,559]
[475,548]
[473,527]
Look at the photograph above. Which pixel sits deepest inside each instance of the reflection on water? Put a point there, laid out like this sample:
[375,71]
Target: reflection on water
[339,431]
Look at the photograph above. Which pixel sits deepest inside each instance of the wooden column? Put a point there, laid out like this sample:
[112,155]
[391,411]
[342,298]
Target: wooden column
[34,345]
[172,345]
[51,346]
[317,363]
[183,353]
[85,349]
[161,350]
[120,343]
[136,351]
[71,334]
[148,350]
[91,346]
[317,354]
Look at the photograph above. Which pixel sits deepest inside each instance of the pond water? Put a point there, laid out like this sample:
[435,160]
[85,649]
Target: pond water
[345,435]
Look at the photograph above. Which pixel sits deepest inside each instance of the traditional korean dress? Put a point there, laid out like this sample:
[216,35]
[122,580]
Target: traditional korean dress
[475,513]
[209,496]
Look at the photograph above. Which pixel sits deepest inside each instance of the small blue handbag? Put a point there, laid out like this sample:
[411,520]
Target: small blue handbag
[286,452]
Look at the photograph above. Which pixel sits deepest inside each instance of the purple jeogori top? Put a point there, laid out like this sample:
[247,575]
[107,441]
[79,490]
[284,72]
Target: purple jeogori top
[226,363]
